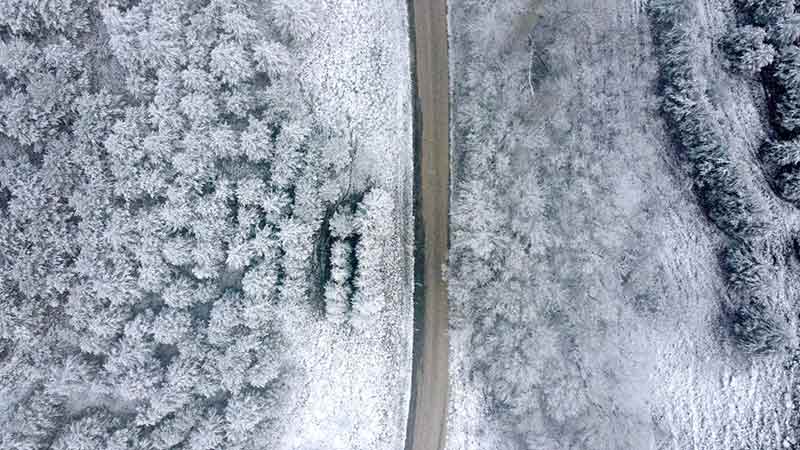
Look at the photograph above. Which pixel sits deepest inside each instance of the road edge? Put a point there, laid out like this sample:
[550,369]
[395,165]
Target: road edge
[419,231]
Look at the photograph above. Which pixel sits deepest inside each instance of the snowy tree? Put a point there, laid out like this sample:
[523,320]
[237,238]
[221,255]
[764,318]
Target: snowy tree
[209,433]
[338,288]
[790,186]
[230,62]
[260,281]
[766,12]
[256,141]
[273,59]
[132,368]
[759,329]
[240,26]
[373,223]
[747,50]
[247,416]
[251,191]
[288,162]
[226,318]
[33,423]
[786,31]
[59,16]
[171,325]
[297,20]
[268,367]
[174,430]
[200,109]
[783,153]
[295,240]
[342,224]
[162,44]
[89,432]
[746,268]
[18,57]
[177,250]
[787,72]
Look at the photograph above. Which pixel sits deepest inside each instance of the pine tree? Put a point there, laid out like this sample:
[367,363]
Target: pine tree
[260,281]
[174,430]
[87,433]
[747,50]
[171,325]
[787,72]
[209,433]
[373,223]
[783,153]
[34,422]
[746,268]
[231,63]
[296,20]
[225,317]
[765,12]
[18,58]
[786,31]
[790,185]
[758,329]
[295,239]
[272,58]
[247,414]
[338,289]
[268,368]
[342,224]
[256,141]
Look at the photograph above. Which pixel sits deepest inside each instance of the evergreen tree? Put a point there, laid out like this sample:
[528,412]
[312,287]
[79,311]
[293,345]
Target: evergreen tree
[209,433]
[231,63]
[758,329]
[786,31]
[295,19]
[87,433]
[783,153]
[765,12]
[272,58]
[373,222]
[747,50]
[790,186]
[338,289]
[787,72]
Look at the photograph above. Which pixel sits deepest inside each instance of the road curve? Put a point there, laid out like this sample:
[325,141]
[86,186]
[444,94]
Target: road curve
[427,417]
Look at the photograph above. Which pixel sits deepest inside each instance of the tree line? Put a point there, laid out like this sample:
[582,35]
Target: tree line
[730,199]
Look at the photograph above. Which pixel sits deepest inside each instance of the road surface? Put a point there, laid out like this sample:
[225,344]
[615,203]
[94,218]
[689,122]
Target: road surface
[428,410]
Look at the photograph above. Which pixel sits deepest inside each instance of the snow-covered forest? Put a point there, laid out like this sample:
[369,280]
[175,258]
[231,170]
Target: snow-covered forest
[189,234]
[207,226]
[624,266]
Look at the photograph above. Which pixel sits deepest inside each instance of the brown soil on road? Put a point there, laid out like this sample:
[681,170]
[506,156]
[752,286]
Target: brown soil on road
[428,409]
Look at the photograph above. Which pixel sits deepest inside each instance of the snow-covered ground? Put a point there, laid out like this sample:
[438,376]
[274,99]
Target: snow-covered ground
[356,67]
[352,387]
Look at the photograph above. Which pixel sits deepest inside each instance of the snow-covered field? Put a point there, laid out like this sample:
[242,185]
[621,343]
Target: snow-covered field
[352,387]
[615,277]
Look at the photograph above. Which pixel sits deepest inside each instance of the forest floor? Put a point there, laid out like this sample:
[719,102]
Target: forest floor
[428,410]
[621,253]
[352,387]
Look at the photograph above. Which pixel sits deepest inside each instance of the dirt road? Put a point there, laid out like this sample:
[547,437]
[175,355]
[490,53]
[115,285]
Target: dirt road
[428,409]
